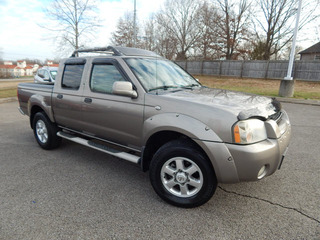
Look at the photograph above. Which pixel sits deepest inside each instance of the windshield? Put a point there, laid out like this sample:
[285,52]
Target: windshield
[160,74]
[53,74]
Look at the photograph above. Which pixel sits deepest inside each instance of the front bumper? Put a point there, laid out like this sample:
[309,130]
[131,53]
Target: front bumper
[236,163]
[250,159]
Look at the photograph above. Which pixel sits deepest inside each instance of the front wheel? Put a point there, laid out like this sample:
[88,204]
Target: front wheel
[182,175]
[45,131]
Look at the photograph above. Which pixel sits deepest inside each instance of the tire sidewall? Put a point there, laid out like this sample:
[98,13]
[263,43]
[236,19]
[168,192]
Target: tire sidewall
[53,140]
[177,149]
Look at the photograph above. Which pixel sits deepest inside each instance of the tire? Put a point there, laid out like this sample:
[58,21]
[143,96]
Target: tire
[182,175]
[45,131]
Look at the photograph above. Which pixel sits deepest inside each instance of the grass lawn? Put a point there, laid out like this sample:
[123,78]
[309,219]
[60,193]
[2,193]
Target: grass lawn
[9,88]
[5,93]
[267,87]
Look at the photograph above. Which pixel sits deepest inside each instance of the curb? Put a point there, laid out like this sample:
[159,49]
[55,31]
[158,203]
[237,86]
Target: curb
[299,101]
[7,100]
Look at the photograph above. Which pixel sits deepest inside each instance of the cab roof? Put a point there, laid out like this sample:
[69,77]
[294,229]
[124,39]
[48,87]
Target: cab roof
[117,51]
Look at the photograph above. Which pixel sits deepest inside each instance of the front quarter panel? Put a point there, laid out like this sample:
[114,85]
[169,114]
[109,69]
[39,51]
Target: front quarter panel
[178,123]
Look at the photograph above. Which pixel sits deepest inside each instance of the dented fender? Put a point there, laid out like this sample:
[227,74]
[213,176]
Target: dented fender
[43,102]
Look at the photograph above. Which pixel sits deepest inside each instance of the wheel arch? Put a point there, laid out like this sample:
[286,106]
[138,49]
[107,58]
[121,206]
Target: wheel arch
[162,128]
[38,103]
[158,139]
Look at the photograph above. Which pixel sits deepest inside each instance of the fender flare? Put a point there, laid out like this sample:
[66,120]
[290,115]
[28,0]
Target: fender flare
[180,123]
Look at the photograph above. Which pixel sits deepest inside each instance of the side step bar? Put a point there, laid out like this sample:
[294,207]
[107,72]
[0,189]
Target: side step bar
[123,155]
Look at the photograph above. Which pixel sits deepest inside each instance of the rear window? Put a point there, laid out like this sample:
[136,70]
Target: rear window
[72,76]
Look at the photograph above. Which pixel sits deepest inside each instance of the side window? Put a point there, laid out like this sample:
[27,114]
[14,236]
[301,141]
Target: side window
[72,76]
[103,77]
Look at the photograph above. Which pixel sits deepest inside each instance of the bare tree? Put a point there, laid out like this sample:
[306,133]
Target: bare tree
[233,25]
[274,27]
[208,45]
[179,19]
[124,34]
[74,21]
[156,38]
[149,41]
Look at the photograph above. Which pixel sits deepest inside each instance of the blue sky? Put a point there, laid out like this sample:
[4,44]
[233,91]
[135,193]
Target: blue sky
[22,37]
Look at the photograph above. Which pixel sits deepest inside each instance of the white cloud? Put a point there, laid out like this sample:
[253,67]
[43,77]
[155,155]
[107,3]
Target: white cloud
[22,37]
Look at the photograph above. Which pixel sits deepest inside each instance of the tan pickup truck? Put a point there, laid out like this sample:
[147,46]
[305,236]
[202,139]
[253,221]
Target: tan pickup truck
[137,106]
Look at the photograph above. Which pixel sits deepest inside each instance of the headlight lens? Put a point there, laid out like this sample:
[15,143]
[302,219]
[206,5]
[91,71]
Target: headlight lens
[249,131]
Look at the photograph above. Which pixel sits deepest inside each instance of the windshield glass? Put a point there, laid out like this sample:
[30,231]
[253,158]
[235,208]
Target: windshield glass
[160,74]
[53,74]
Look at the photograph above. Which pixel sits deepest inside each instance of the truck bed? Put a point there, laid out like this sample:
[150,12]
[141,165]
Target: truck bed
[26,90]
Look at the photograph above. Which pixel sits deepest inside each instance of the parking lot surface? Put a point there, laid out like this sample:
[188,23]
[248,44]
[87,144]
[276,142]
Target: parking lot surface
[75,192]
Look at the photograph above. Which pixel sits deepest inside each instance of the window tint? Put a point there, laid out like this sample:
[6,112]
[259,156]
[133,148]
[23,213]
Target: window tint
[72,76]
[103,77]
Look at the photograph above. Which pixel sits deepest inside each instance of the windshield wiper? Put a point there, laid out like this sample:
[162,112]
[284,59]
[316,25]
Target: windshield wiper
[165,87]
[190,86]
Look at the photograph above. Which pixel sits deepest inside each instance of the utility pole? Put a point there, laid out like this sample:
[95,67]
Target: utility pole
[287,84]
[134,25]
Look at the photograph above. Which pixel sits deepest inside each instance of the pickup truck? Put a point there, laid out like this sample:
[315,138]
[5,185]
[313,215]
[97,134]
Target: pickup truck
[137,106]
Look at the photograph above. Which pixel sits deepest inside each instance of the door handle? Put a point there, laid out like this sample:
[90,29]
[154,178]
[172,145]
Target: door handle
[88,100]
[59,96]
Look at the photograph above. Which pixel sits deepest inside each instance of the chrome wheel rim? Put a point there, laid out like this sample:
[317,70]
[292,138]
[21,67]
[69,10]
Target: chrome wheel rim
[42,132]
[182,177]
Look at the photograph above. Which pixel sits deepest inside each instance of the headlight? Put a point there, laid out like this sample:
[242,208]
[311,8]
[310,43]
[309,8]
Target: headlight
[249,131]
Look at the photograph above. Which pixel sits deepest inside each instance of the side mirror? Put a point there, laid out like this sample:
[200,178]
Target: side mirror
[124,89]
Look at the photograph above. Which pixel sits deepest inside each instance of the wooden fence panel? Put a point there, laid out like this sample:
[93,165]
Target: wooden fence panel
[302,70]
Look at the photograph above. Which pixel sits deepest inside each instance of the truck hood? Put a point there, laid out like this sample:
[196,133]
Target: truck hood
[243,105]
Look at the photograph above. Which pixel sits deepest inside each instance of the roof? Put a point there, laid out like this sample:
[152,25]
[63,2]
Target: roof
[117,51]
[313,49]
[8,66]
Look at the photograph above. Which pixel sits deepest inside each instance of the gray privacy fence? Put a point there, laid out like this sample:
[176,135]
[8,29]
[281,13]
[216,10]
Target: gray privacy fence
[302,70]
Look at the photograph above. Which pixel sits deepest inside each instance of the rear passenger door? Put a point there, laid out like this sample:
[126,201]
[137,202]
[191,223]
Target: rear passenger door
[108,116]
[67,97]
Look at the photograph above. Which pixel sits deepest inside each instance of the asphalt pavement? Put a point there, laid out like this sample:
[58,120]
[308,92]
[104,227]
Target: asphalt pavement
[75,192]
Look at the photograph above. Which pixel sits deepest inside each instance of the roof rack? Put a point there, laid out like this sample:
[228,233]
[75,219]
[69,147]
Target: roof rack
[116,51]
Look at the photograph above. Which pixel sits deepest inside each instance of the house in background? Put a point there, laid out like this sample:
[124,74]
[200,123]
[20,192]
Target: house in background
[52,64]
[8,69]
[311,53]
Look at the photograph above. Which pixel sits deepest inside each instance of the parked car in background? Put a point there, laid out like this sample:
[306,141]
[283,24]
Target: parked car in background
[46,75]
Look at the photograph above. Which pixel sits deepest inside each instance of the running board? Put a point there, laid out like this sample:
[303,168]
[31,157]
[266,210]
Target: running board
[123,155]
